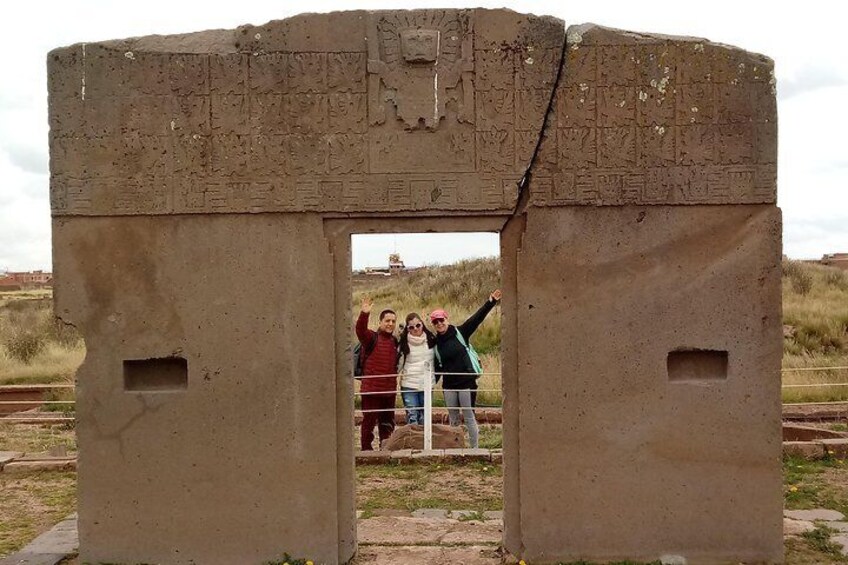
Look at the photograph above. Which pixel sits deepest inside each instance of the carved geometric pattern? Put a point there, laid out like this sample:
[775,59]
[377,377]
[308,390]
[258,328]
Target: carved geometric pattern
[665,121]
[495,151]
[530,109]
[617,147]
[306,113]
[695,104]
[616,65]
[346,72]
[576,106]
[656,146]
[347,112]
[228,73]
[493,70]
[494,110]
[536,68]
[616,106]
[577,148]
[348,154]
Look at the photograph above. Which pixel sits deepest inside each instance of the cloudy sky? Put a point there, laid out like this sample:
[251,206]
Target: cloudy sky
[805,40]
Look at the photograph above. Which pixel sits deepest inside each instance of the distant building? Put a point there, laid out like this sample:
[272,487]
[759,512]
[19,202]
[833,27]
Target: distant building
[396,264]
[25,280]
[395,267]
[839,260]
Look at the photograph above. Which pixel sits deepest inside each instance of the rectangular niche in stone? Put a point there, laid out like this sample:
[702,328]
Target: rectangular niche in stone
[155,375]
[697,365]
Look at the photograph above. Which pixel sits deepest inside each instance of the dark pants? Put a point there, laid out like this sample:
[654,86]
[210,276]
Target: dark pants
[384,420]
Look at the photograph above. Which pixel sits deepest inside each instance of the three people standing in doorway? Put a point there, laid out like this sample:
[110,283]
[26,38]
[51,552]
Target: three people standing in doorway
[418,355]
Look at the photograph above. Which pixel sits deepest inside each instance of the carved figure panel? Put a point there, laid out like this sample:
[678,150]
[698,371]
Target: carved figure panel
[418,62]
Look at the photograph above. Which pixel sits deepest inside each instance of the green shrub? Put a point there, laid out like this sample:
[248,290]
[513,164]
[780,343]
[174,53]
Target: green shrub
[25,345]
[802,282]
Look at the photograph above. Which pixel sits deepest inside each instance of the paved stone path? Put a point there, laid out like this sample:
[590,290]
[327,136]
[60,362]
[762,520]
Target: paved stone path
[385,538]
[797,522]
[422,537]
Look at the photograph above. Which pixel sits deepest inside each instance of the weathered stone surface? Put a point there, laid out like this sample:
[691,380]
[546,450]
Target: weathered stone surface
[837,448]
[468,454]
[40,465]
[618,419]
[427,555]
[8,456]
[412,437]
[815,514]
[398,530]
[842,540]
[430,513]
[373,457]
[795,432]
[805,449]
[490,531]
[797,527]
[184,166]
[298,118]
[838,526]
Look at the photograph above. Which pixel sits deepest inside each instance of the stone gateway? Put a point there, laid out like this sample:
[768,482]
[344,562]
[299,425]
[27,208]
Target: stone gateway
[204,188]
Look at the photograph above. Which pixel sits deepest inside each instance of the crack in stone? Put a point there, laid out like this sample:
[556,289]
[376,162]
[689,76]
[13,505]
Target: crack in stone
[523,196]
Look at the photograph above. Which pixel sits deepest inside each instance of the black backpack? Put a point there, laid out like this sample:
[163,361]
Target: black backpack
[360,354]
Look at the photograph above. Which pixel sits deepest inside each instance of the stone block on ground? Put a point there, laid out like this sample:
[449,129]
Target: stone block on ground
[412,437]
[8,457]
[426,555]
[474,532]
[842,540]
[838,526]
[396,530]
[373,457]
[430,513]
[50,548]
[797,527]
[470,454]
[815,514]
[803,449]
[24,466]
[836,448]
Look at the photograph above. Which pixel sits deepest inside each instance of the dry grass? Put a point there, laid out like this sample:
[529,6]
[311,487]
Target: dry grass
[31,438]
[815,311]
[33,503]
[460,289]
[27,326]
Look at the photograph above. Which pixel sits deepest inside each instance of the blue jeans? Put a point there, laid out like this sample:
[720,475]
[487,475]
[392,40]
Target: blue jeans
[413,401]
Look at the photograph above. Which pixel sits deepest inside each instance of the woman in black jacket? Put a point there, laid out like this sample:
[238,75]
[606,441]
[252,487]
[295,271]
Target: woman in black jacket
[459,365]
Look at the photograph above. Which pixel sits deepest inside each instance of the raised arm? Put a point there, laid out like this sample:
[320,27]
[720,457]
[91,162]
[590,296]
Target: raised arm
[363,334]
[470,325]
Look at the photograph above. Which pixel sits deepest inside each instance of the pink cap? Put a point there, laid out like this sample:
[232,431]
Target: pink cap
[436,314]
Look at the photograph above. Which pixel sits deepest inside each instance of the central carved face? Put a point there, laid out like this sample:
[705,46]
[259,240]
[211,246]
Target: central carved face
[419,45]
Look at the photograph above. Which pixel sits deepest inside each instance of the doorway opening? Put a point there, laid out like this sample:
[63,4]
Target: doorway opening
[410,269]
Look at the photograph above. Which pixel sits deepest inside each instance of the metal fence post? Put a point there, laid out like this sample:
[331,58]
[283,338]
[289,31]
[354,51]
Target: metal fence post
[428,413]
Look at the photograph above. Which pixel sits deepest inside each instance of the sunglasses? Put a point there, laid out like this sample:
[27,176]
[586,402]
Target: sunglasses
[438,320]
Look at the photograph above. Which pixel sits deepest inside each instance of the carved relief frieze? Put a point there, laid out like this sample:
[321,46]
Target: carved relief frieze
[418,62]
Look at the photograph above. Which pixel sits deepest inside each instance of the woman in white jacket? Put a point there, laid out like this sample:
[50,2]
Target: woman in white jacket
[416,365]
